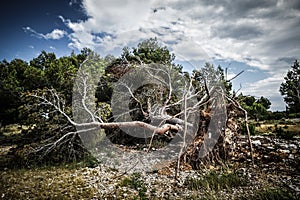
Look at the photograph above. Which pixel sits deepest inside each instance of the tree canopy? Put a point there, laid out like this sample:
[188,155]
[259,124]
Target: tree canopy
[45,71]
[256,107]
[290,88]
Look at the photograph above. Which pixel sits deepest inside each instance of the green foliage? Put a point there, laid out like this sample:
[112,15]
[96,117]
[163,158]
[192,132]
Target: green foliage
[210,76]
[264,102]
[256,108]
[290,88]
[43,61]
[248,100]
[45,71]
[104,110]
[284,134]
[293,115]
[149,51]
[20,79]
[11,86]
[277,115]
[60,75]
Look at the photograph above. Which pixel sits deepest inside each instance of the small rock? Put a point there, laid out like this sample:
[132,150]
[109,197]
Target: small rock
[256,142]
[292,146]
[270,147]
[291,156]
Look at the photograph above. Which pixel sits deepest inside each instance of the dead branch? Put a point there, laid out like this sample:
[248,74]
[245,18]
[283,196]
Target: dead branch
[57,105]
[183,146]
[235,76]
[136,99]
[51,98]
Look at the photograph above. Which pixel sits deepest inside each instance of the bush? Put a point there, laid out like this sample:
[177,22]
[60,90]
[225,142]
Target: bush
[276,115]
[293,115]
[281,133]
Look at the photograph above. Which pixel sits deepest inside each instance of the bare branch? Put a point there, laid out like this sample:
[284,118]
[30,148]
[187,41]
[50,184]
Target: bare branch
[183,146]
[237,105]
[84,97]
[235,76]
[56,104]
[138,101]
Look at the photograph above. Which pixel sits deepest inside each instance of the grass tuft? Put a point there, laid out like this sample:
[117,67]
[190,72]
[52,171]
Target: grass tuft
[135,182]
[216,182]
[271,194]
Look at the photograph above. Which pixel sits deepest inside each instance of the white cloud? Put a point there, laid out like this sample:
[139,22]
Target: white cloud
[251,70]
[263,34]
[243,31]
[111,16]
[269,88]
[188,49]
[56,34]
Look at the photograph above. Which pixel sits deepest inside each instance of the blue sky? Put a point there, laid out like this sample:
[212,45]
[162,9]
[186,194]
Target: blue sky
[41,17]
[260,37]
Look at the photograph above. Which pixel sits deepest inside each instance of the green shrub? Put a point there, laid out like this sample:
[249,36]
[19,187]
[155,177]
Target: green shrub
[294,115]
[276,115]
[281,133]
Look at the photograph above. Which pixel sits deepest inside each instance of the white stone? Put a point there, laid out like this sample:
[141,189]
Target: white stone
[256,142]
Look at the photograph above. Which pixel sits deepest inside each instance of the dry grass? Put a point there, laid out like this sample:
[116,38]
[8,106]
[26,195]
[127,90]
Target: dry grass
[12,129]
[269,128]
[50,183]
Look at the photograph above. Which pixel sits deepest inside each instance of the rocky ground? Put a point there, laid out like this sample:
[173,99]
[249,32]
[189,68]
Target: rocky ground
[276,166]
[275,175]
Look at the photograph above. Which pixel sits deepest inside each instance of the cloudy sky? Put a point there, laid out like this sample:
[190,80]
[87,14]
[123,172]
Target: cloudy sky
[260,37]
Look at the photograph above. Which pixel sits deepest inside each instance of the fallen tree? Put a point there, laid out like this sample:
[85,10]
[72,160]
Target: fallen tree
[148,101]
